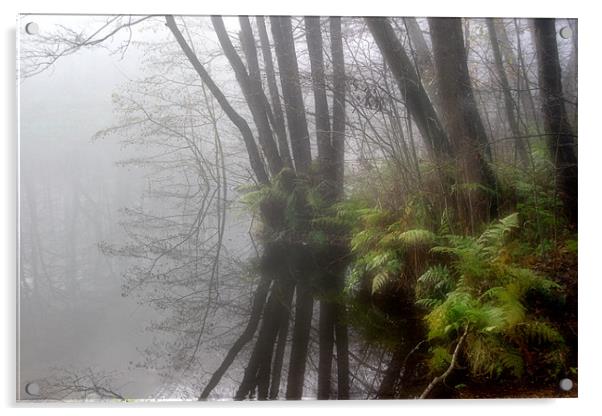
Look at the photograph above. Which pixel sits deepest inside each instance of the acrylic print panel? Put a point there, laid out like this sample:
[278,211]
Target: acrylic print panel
[296,208]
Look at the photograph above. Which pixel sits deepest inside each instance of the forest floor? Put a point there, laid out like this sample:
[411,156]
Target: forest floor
[526,391]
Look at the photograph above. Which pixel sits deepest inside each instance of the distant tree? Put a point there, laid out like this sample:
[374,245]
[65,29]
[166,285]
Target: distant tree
[560,136]
[520,146]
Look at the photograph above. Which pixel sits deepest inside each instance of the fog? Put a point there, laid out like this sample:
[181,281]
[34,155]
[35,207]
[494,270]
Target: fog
[138,239]
[75,194]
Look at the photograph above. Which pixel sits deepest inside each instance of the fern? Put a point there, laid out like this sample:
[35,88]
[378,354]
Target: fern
[416,237]
[480,291]
[493,237]
[379,281]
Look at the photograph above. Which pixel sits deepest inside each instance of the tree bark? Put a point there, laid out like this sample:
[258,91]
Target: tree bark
[313,34]
[519,143]
[418,103]
[337,138]
[423,58]
[560,135]
[279,126]
[291,90]
[475,184]
[254,96]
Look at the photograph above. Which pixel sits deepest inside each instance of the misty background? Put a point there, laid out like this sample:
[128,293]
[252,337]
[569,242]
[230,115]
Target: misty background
[135,252]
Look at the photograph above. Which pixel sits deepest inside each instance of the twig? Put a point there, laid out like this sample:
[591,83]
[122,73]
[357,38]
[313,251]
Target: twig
[447,372]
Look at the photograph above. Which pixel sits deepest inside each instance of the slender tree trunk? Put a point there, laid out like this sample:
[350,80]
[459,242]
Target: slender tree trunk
[560,135]
[569,82]
[247,335]
[534,115]
[519,143]
[266,372]
[337,140]
[246,133]
[313,34]
[279,126]
[418,103]
[291,91]
[258,370]
[423,58]
[253,93]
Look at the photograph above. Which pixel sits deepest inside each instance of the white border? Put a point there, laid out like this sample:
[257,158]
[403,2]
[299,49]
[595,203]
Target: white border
[590,152]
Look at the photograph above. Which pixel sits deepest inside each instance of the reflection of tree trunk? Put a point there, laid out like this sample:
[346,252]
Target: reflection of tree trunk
[326,339]
[400,376]
[560,135]
[342,343]
[386,390]
[247,335]
[303,313]
[281,347]
[259,368]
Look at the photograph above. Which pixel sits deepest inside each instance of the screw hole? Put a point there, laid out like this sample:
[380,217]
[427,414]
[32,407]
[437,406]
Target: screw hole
[33,389]
[566,32]
[32,28]
[566,384]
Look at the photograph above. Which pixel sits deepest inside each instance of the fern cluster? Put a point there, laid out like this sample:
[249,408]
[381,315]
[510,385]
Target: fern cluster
[477,288]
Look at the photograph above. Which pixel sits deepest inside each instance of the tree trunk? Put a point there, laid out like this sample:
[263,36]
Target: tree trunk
[247,135]
[279,126]
[313,34]
[521,149]
[423,58]
[253,93]
[337,138]
[475,184]
[291,91]
[418,103]
[560,135]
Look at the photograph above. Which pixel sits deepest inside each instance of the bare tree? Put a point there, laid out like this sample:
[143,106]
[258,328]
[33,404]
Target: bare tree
[560,135]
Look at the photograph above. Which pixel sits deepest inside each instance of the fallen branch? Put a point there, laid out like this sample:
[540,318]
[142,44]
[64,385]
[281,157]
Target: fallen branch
[447,372]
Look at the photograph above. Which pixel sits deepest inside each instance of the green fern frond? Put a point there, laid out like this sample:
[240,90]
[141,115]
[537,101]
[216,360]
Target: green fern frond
[539,332]
[379,281]
[511,361]
[493,237]
[416,237]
